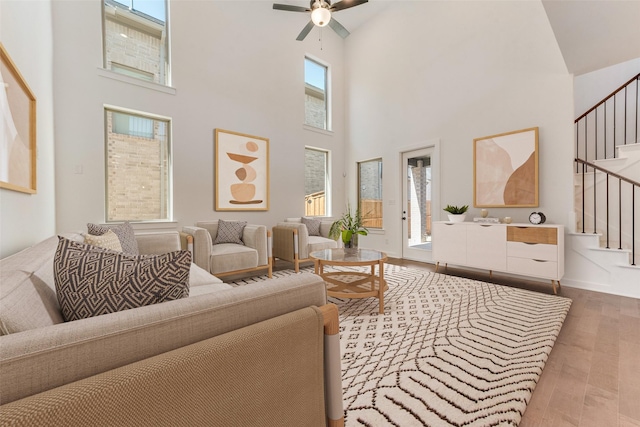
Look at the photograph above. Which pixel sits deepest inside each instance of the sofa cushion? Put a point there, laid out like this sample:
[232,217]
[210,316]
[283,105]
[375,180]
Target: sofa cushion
[317,243]
[27,286]
[230,232]
[91,281]
[108,240]
[27,293]
[313,225]
[207,289]
[199,276]
[230,257]
[123,231]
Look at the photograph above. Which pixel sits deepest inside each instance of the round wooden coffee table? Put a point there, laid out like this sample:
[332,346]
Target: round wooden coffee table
[352,284]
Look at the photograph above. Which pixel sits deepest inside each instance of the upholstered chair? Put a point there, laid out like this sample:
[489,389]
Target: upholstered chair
[295,238]
[230,247]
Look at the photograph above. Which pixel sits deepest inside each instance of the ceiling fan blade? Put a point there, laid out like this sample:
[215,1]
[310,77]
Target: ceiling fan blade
[346,4]
[290,8]
[338,28]
[305,31]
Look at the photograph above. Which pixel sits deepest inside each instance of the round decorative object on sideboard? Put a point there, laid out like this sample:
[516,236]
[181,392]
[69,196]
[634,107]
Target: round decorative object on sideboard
[537,218]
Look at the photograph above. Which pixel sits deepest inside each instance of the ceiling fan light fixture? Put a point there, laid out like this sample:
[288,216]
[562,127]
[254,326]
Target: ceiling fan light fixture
[321,16]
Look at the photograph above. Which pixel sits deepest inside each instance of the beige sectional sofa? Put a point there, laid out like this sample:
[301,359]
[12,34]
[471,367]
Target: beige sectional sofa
[264,354]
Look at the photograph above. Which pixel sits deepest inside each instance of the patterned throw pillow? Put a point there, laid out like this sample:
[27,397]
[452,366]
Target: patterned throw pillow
[108,240]
[230,232]
[91,281]
[313,225]
[123,231]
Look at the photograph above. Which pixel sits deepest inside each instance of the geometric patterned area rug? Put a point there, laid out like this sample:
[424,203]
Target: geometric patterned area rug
[448,351]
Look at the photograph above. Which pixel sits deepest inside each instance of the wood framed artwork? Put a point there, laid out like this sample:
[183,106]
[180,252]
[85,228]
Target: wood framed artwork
[505,170]
[242,172]
[18,130]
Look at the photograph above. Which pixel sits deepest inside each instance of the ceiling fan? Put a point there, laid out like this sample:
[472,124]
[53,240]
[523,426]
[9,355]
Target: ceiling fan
[321,11]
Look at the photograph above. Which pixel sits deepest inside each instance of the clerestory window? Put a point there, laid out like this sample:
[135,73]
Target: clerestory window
[136,40]
[316,94]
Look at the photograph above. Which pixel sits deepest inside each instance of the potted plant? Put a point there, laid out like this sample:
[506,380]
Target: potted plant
[456,214]
[348,227]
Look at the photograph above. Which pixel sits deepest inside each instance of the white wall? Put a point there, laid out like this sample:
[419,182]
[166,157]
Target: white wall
[25,32]
[593,87]
[455,71]
[230,71]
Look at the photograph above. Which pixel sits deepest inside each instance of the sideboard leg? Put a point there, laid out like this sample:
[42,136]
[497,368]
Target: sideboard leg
[553,283]
[437,265]
[490,274]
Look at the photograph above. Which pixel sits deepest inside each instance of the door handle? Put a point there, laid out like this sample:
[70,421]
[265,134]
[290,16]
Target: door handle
[404,215]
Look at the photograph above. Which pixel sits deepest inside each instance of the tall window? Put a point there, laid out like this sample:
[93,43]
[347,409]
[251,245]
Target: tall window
[370,192]
[138,167]
[316,111]
[316,178]
[136,39]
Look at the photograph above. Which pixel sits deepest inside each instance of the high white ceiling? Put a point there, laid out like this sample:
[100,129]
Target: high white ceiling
[595,34]
[591,34]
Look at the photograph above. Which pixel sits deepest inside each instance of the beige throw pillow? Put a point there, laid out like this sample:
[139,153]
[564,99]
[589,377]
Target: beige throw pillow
[124,232]
[108,240]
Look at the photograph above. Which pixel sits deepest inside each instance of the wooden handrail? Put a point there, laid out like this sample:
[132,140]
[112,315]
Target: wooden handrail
[636,77]
[613,174]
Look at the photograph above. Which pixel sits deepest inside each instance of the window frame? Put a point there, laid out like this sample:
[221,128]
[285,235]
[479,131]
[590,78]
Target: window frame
[327,180]
[381,189]
[169,168]
[328,123]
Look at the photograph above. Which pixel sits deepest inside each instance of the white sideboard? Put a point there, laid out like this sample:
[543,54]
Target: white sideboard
[522,249]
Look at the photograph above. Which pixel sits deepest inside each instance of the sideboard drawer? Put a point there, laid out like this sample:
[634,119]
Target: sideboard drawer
[533,267]
[548,235]
[538,251]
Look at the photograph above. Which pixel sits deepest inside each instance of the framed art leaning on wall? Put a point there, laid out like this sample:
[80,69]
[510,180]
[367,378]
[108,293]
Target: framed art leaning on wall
[242,171]
[18,130]
[505,169]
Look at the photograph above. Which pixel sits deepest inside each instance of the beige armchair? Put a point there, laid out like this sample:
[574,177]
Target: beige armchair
[221,256]
[292,242]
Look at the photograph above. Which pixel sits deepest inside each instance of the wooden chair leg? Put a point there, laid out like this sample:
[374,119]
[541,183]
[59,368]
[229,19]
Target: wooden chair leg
[333,381]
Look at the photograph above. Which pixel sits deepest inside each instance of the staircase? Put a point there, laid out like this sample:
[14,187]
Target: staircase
[607,186]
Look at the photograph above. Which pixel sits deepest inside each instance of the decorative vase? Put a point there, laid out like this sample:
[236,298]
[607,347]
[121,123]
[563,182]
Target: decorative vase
[350,245]
[456,218]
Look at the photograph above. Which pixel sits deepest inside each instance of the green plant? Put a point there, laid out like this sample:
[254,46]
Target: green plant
[455,210]
[348,225]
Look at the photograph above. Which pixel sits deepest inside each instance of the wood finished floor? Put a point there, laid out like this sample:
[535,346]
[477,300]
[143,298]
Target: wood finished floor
[592,376]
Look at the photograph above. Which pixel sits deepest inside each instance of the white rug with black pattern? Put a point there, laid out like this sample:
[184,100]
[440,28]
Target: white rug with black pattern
[447,351]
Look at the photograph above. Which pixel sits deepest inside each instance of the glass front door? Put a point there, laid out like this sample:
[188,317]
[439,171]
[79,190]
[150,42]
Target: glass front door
[417,204]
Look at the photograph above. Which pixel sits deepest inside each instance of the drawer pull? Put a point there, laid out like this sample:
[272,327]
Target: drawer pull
[530,243]
[540,260]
